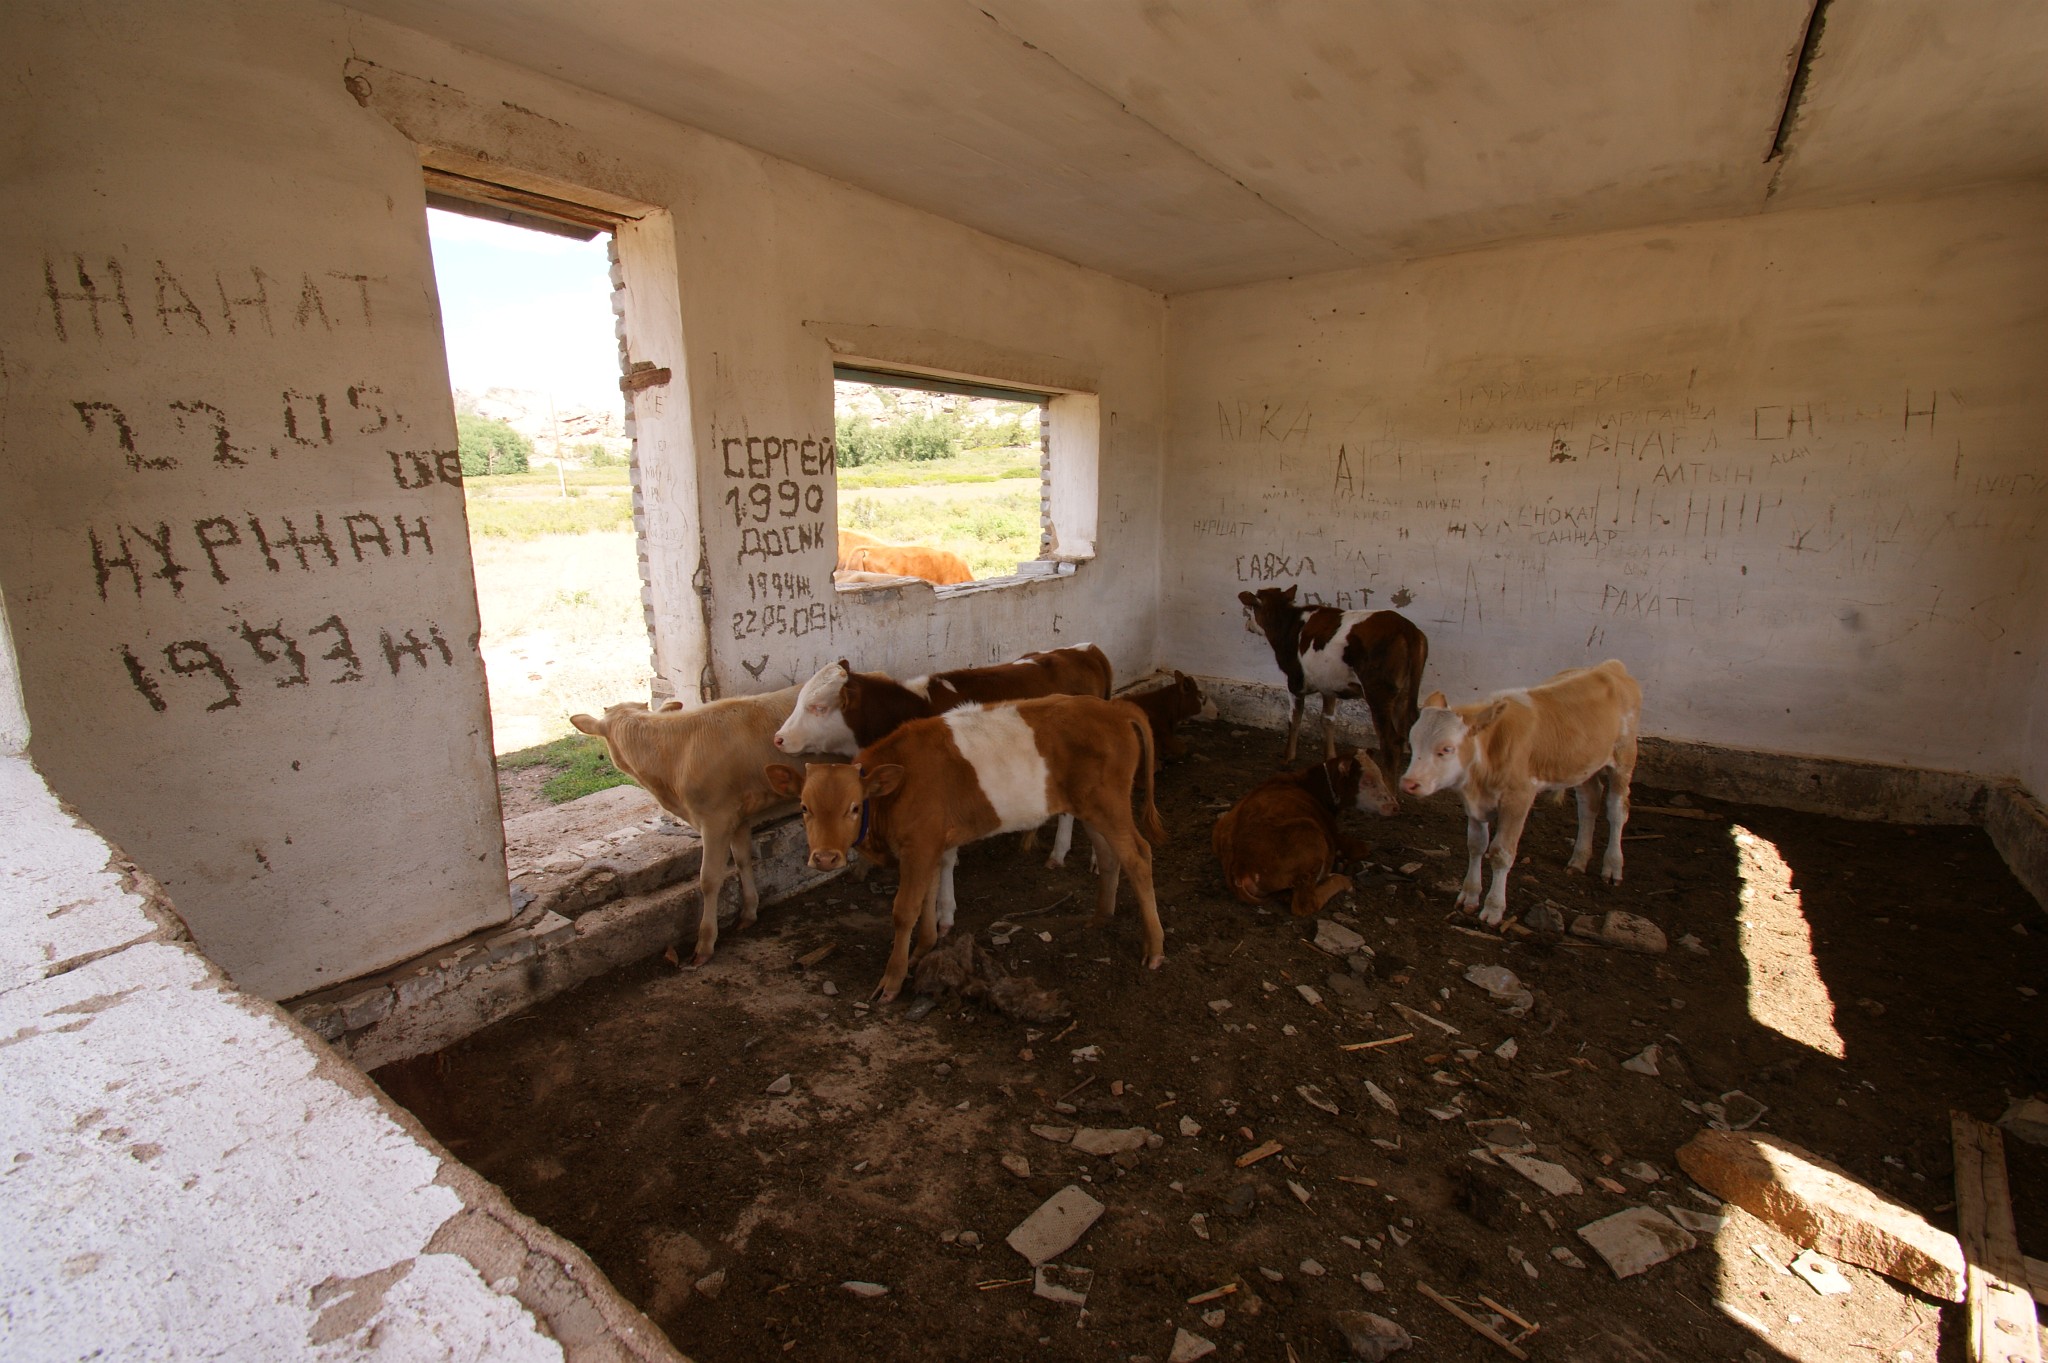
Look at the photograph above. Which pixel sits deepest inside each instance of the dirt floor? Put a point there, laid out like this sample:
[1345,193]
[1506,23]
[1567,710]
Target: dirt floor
[636,1114]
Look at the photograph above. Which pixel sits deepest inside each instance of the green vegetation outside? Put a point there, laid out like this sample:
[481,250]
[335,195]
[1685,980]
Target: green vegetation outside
[489,446]
[581,767]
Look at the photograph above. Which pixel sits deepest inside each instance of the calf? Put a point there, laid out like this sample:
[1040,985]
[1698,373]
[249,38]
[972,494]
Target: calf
[1501,753]
[1165,706]
[1377,654]
[864,554]
[842,711]
[1283,835]
[934,785]
[704,767]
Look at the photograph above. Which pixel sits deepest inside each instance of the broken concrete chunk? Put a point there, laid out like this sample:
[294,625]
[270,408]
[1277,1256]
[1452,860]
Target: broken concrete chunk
[2028,1120]
[1645,1061]
[1371,1338]
[1699,1223]
[1554,1179]
[1545,917]
[1566,1257]
[781,1085]
[1309,994]
[1502,985]
[1214,1319]
[1056,1226]
[1199,1224]
[1061,1283]
[1187,1347]
[1381,1096]
[1017,1165]
[1821,1207]
[1822,1275]
[1636,1240]
[1091,1140]
[1310,1268]
[1058,1135]
[1692,944]
[1739,1111]
[1371,1282]
[1190,1127]
[860,1289]
[1507,1050]
[1220,1006]
[711,1284]
[1627,930]
[1315,1098]
[1337,939]
[1642,1171]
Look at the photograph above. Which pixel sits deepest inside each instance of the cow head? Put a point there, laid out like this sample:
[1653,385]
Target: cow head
[603,728]
[832,795]
[1270,612]
[1199,704]
[818,723]
[1440,743]
[1365,785]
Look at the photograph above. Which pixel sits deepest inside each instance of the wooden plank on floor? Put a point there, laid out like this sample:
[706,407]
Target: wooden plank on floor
[2002,1328]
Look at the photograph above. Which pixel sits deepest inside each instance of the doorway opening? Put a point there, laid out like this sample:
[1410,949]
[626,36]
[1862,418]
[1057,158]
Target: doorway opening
[530,310]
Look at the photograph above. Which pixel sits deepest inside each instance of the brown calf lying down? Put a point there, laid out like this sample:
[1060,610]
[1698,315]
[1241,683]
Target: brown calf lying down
[934,785]
[1166,706]
[1283,835]
[1376,654]
[705,767]
[1502,753]
[864,554]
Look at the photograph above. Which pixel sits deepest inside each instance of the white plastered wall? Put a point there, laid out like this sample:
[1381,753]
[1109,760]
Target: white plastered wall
[1789,468]
[313,830]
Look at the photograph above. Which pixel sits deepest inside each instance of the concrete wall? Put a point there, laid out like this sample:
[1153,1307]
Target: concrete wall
[1788,468]
[222,332]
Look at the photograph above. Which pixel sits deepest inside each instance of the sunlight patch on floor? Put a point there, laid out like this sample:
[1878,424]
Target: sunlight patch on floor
[1786,992]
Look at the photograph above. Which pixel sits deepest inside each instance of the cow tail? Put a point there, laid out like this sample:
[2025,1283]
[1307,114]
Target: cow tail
[1148,813]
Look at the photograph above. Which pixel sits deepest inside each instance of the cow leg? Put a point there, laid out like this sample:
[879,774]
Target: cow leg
[1514,812]
[743,857]
[947,904]
[1329,727]
[1310,896]
[1294,726]
[1109,875]
[1617,808]
[711,872]
[1062,839]
[1586,792]
[1476,836]
[1125,847]
[915,888]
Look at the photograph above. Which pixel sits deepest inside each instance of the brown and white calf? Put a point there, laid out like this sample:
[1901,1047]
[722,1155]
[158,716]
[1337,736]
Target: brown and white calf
[1502,753]
[1283,836]
[918,795]
[1376,654]
[841,711]
[1166,706]
[705,767]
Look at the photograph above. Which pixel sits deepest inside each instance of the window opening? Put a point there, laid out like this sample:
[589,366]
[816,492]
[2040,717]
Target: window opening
[534,362]
[942,479]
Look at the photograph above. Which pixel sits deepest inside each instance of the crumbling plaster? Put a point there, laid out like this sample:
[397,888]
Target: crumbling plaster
[316,829]
[1788,468]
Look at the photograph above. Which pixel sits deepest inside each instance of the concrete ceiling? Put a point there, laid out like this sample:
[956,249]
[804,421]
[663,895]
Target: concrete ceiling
[1188,144]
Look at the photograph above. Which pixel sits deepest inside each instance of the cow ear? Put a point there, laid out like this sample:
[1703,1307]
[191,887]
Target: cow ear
[1435,701]
[1493,711]
[784,779]
[669,705]
[1292,588]
[1251,603]
[883,780]
[589,724]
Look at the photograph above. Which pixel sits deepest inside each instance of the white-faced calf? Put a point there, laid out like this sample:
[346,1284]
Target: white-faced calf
[933,785]
[1283,838]
[1502,753]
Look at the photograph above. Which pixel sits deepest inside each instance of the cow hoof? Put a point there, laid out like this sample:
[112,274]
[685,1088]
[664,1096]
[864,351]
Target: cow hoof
[1492,917]
[1468,902]
[1055,863]
[1576,867]
[1611,877]
[1155,962]
[702,958]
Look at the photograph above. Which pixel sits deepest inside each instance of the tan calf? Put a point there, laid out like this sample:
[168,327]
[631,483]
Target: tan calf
[1502,753]
[934,785]
[705,767]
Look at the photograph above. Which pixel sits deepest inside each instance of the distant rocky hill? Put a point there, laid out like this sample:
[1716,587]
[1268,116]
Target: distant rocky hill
[529,414]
